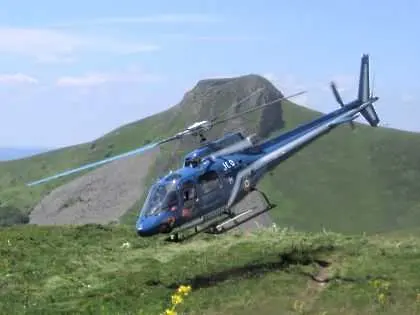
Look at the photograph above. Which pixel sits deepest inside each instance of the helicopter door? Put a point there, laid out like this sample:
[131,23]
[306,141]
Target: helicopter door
[211,191]
[189,197]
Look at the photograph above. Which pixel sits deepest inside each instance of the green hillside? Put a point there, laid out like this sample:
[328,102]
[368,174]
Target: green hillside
[108,270]
[366,179]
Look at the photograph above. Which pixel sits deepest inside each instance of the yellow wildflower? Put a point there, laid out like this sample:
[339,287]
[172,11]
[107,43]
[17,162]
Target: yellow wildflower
[298,306]
[381,298]
[177,299]
[184,289]
[376,283]
[385,285]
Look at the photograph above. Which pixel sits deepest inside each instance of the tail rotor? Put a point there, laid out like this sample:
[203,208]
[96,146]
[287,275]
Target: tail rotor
[336,94]
[339,100]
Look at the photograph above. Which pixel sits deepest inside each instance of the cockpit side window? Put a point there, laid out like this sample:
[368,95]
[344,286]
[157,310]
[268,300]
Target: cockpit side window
[172,199]
[188,194]
[188,191]
[209,182]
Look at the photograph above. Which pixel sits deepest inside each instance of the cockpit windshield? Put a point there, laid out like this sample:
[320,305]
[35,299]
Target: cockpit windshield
[193,162]
[162,197]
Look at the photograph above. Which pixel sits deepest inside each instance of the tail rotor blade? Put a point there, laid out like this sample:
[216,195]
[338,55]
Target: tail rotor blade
[340,101]
[336,94]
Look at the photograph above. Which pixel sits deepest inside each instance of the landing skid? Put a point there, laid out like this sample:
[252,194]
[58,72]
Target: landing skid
[193,230]
[234,222]
[226,221]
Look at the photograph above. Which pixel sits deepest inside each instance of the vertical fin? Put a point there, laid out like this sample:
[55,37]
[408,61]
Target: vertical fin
[363,96]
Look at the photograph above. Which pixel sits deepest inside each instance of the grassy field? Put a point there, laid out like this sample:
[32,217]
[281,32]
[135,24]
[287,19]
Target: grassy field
[108,270]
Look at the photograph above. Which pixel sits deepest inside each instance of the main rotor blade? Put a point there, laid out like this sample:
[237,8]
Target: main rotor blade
[95,164]
[258,107]
[246,143]
[236,104]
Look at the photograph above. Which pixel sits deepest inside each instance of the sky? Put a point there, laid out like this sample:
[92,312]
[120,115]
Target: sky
[72,71]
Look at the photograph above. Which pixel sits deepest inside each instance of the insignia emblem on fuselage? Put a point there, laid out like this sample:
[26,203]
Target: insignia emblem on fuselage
[247,184]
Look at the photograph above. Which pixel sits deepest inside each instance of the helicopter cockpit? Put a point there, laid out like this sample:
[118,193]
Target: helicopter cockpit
[161,197]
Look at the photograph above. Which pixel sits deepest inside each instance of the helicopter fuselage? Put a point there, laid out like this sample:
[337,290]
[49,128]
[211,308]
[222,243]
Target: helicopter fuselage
[201,186]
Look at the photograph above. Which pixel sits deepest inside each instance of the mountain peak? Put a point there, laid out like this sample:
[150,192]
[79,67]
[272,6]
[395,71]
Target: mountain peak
[248,80]
[211,97]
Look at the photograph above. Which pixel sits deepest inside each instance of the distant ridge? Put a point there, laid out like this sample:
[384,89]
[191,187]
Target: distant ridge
[11,153]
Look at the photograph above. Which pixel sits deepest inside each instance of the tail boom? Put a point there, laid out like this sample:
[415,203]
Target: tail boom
[283,146]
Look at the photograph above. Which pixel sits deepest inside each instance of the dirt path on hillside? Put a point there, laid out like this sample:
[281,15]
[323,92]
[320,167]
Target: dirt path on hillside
[314,287]
[101,196]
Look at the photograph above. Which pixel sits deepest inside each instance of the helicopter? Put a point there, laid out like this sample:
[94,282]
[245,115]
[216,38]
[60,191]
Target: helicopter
[219,174]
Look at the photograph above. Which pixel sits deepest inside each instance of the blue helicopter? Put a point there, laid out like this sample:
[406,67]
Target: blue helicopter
[216,176]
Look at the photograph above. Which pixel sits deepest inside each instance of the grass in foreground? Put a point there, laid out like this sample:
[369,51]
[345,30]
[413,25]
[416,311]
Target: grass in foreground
[108,270]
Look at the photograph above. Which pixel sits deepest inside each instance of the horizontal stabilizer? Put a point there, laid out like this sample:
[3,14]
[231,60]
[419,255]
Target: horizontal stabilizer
[369,113]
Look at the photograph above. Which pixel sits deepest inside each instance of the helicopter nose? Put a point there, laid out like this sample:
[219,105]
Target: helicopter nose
[144,233]
[145,229]
[148,226]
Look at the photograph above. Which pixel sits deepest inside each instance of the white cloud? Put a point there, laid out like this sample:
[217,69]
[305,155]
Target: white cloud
[211,38]
[17,78]
[96,79]
[158,19]
[234,38]
[229,39]
[53,45]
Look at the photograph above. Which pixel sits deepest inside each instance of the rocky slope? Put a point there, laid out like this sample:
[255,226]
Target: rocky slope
[100,196]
